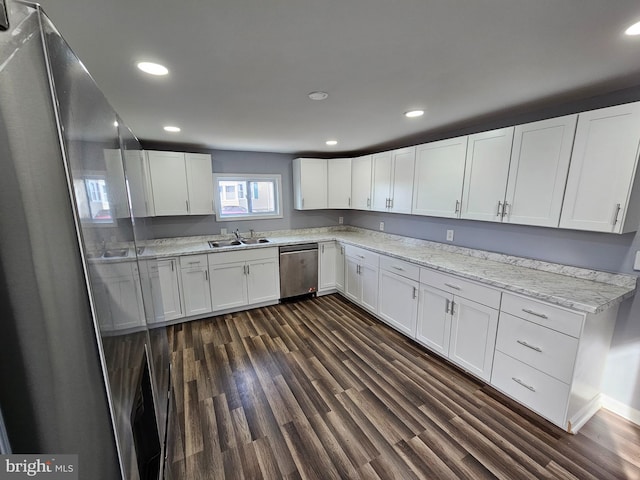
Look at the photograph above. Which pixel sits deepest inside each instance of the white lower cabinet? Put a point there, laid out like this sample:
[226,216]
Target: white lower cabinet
[361,277]
[551,359]
[244,277]
[453,322]
[194,273]
[170,288]
[327,267]
[398,294]
[118,296]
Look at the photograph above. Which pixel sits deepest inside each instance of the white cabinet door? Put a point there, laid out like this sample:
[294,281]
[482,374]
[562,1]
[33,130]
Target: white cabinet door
[485,176]
[602,171]
[228,285]
[139,183]
[404,160]
[473,336]
[369,284]
[263,281]
[434,320]
[200,183]
[100,294]
[538,171]
[352,280]
[327,266]
[169,183]
[398,302]
[339,183]
[381,176]
[310,183]
[196,290]
[437,189]
[361,183]
[169,284]
[126,302]
[340,268]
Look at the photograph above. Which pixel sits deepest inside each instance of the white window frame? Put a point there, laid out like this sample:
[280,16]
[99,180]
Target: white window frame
[247,177]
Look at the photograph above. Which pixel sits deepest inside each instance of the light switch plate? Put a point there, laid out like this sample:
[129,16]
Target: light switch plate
[449,235]
[382,226]
[636,264]
[340,220]
[223,231]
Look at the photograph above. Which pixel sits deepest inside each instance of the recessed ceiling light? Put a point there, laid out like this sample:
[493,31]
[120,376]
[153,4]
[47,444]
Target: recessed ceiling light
[331,142]
[153,68]
[115,124]
[633,29]
[171,129]
[318,95]
[414,113]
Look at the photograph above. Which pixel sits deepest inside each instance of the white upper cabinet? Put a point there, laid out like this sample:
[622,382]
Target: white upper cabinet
[361,183]
[439,175]
[339,183]
[392,183]
[182,184]
[310,177]
[538,171]
[600,194]
[199,183]
[486,172]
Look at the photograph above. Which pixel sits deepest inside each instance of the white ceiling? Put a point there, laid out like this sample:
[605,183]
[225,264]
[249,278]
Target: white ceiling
[240,70]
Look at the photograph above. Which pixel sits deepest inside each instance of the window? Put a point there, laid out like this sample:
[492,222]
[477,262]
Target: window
[92,198]
[247,197]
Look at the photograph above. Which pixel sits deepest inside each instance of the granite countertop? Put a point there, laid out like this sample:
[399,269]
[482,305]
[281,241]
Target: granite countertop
[577,288]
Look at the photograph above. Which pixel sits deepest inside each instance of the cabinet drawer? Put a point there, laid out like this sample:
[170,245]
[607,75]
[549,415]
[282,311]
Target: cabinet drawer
[544,314]
[114,269]
[552,352]
[362,255]
[536,390]
[243,255]
[400,267]
[194,261]
[464,288]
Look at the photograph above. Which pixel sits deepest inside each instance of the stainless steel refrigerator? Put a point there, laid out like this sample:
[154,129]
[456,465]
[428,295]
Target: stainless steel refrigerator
[82,368]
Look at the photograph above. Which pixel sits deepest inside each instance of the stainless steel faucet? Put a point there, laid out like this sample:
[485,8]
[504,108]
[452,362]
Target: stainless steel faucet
[237,234]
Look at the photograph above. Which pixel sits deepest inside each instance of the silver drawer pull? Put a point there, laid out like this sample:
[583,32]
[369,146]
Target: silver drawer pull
[194,263]
[537,314]
[397,268]
[525,344]
[360,256]
[520,382]
[451,285]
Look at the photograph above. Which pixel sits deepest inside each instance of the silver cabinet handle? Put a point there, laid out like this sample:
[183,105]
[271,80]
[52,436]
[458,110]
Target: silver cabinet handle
[537,314]
[323,248]
[360,256]
[349,202]
[194,263]
[525,344]
[172,262]
[452,305]
[206,275]
[391,203]
[499,212]
[415,292]
[451,285]
[244,269]
[504,209]
[520,382]
[446,306]
[616,213]
[248,270]
[187,203]
[397,268]
[457,206]
[368,202]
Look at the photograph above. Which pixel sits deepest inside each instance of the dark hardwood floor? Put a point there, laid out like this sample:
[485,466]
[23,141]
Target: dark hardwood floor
[319,389]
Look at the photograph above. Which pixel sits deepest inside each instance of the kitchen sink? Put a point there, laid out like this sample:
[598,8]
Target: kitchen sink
[253,241]
[119,252]
[223,243]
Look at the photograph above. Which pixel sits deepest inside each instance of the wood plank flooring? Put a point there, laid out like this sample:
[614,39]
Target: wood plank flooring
[319,389]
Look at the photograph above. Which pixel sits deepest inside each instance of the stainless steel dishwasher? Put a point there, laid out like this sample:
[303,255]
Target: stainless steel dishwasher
[298,270]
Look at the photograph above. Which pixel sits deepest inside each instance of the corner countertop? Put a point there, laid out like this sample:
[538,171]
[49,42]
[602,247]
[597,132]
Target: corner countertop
[580,289]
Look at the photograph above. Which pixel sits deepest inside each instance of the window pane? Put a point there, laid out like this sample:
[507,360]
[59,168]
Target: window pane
[247,197]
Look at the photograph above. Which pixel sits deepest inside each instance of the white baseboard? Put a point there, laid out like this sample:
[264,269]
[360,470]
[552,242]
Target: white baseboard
[619,408]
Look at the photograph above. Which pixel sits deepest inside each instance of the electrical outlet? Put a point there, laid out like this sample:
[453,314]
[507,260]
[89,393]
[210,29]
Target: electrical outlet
[636,264]
[449,235]
[223,231]
[340,220]
[382,226]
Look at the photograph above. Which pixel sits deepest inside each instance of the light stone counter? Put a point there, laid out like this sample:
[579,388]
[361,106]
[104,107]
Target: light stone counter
[577,288]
